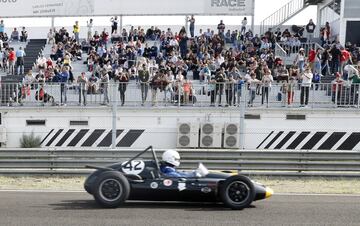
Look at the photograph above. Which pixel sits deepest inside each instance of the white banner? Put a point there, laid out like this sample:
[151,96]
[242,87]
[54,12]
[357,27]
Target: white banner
[61,8]
[174,7]
[40,8]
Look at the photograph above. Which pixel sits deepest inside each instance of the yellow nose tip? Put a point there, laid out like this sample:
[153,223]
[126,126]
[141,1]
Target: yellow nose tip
[269,192]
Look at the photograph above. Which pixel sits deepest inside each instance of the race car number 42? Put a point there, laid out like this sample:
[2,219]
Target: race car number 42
[133,167]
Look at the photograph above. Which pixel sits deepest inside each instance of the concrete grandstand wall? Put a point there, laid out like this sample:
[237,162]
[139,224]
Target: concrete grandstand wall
[278,129]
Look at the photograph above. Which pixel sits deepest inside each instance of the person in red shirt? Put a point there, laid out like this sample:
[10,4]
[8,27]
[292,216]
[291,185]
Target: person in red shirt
[311,59]
[12,59]
[345,57]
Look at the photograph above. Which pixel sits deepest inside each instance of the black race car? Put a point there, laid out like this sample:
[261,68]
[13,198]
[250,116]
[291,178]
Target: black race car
[136,179]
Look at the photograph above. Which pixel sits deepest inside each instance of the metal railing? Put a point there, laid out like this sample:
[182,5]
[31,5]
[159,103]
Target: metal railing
[282,15]
[270,163]
[280,94]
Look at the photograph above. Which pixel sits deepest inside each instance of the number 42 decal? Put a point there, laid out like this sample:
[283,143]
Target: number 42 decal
[133,167]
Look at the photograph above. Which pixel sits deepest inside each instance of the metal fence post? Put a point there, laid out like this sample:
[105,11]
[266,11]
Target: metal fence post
[113,137]
[242,118]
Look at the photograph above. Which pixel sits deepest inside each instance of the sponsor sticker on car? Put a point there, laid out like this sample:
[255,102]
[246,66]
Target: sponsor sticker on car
[167,182]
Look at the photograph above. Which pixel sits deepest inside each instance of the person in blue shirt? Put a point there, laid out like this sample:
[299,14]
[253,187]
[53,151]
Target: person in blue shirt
[64,77]
[20,53]
[171,160]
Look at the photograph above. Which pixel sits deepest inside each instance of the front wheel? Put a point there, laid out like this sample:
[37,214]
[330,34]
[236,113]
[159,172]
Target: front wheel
[111,189]
[237,192]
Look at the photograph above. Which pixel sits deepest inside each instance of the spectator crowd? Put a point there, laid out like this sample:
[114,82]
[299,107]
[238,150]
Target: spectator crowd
[226,63]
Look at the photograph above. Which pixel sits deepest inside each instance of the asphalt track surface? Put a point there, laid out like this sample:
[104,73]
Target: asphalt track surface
[78,208]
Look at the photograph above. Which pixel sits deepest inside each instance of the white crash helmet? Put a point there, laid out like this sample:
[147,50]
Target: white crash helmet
[172,157]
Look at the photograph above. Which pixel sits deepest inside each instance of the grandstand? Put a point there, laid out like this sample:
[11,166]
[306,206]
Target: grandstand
[218,71]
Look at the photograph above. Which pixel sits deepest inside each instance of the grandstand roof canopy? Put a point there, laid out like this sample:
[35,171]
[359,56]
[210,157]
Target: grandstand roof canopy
[75,8]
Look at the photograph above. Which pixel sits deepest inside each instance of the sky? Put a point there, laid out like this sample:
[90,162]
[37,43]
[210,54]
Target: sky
[263,8]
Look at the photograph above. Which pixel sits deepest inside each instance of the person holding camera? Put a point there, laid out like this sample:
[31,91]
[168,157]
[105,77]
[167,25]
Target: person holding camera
[144,77]
[123,79]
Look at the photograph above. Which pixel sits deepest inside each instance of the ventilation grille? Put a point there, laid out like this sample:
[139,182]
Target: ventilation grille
[207,141]
[231,141]
[184,141]
[231,129]
[207,128]
[184,129]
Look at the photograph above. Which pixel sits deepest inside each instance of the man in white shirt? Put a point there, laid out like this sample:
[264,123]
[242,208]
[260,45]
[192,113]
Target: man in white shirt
[90,26]
[305,86]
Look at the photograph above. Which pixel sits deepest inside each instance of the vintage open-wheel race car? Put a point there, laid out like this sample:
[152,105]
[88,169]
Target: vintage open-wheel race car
[137,179]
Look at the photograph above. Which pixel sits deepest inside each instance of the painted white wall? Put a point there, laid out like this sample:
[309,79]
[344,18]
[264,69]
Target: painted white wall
[160,124]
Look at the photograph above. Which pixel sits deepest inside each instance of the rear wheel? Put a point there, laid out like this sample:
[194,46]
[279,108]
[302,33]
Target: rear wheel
[237,192]
[111,189]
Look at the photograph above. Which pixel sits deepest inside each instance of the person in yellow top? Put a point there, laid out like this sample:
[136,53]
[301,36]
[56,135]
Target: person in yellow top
[76,31]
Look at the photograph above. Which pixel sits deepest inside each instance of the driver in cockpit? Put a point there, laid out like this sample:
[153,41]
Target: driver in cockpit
[171,160]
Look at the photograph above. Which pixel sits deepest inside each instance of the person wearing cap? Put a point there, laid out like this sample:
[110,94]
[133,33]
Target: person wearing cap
[300,60]
[305,86]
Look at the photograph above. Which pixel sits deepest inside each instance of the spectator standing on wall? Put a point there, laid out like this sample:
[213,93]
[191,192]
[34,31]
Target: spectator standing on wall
[305,86]
[310,28]
[15,35]
[114,24]
[221,29]
[20,53]
[83,84]
[90,27]
[51,37]
[24,35]
[192,26]
[2,28]
[76,31]
[243,26]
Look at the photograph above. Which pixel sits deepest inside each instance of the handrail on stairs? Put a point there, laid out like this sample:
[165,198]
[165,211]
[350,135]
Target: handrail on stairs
[281,15]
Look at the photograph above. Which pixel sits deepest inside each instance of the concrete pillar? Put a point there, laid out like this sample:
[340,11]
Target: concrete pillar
[52,23]
[121,24]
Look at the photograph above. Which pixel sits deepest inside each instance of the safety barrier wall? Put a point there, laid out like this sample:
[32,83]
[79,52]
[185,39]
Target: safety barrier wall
[261,162]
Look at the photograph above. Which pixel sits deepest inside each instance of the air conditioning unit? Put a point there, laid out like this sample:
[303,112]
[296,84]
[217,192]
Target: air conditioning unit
[211,135]
[2,134]
[188,135]
[231,135]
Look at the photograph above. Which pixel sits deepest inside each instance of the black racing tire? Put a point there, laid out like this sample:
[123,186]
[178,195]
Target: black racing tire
[237,192]
[111,189]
